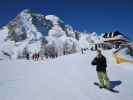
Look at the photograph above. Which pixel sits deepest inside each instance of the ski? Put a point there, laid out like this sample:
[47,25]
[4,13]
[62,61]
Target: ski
[111,90]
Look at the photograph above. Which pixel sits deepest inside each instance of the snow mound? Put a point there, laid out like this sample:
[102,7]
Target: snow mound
[124,53]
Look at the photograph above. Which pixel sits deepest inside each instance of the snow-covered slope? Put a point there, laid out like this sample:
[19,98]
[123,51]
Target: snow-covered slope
[65,78]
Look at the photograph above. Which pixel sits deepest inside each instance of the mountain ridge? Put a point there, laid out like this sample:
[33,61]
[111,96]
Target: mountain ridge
[35,31]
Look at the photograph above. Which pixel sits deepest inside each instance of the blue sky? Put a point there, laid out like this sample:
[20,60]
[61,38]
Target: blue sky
[84,15]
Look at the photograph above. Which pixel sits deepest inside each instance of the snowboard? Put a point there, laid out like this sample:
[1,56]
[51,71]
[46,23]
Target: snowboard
[111,90]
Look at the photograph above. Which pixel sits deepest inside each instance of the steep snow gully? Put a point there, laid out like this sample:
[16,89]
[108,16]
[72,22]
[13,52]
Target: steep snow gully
[65,78]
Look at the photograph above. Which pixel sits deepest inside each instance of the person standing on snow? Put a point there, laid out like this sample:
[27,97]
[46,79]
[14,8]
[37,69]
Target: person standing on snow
[27,56]
[101,65]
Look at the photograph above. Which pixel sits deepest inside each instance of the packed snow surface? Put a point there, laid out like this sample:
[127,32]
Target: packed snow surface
[65,78]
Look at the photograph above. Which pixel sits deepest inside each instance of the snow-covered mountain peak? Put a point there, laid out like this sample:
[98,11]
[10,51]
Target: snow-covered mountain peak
[26,11]
[94,34]
[29,25]
[28,29]
[54,19]
[23,27]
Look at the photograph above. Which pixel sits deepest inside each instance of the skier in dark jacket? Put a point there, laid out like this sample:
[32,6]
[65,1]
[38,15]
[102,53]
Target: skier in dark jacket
[27,56]
[101,65]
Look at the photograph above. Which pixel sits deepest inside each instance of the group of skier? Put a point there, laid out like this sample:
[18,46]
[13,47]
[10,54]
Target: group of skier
[34,56]
[37,56]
